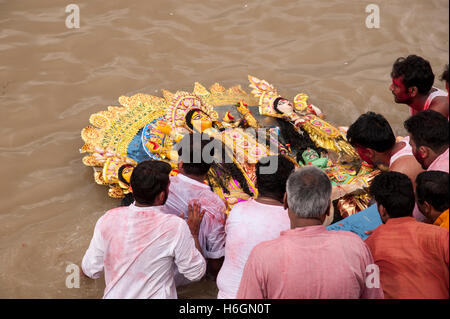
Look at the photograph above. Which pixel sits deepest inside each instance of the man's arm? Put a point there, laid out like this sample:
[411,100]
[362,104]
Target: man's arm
[188,253]
[195,216]
[212,237]
[409,166]
[93,260]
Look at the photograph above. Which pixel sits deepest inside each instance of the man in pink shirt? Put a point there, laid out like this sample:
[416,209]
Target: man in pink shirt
[137,246]
[254,221]
[308,261]
[429,131]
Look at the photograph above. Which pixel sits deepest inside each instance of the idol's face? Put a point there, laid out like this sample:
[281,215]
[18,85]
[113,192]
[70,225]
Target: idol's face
[285,107]
[311,155]
[200,115]
[201,121]
[400,92]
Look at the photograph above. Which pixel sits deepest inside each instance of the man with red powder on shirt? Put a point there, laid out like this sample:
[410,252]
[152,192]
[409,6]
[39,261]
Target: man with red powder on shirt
[412,84]
[374,140]
[137,246]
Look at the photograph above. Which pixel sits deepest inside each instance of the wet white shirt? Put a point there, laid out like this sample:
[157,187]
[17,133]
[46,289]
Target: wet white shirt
[249,223]
[138,249]
[182,191]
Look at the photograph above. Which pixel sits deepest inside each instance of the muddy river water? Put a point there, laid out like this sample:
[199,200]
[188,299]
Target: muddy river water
[53,77]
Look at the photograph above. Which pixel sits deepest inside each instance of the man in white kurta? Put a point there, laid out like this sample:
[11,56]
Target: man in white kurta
[182,191]
[252,222]
[188,186]
[138,247]
[249,223]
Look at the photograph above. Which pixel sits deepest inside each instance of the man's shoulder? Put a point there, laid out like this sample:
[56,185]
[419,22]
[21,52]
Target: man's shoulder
[431,237]
[111,217]
[270,247]
[170,218]
[123,211]
[406,159]
[439,100]
[347,239]
[374,235]
[410,225]
[408,165]
[116,212]
[185,181]
[250,210]
[211,195]
[346,235]
[241,207]
[432,230]
[183,188]
[211,202]
[440,104]
[171,222]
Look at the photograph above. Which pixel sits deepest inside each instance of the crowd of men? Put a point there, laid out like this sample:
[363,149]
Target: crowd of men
[275,246]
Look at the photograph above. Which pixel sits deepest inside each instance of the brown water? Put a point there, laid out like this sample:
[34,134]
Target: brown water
[52,78]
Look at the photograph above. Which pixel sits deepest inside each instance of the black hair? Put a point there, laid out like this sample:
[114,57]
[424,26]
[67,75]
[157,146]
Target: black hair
[128,199]
[195,143]
[371,130]
[395,192]
[149,178]
[432,187]
[414,71]
[273,185]
[428,128]
[223,167]
[444,75]
[120,171]
[296,137]
[275,104]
